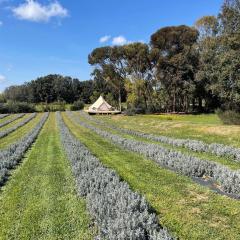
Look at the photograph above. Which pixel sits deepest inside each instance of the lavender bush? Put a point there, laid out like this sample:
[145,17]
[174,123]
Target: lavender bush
[3,116]
[11,120]
[10,157]
[194,145]
[120,213]
[18,125]
[174,160]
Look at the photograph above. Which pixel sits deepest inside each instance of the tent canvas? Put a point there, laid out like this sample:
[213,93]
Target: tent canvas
[101,105]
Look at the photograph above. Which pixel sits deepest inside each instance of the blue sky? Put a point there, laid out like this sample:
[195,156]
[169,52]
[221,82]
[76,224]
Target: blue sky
[40,37]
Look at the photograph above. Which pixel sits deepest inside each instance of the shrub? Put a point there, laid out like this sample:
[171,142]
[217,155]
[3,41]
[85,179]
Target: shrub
[52,107]
[129,112]
[119,212]
[77,105]
[11,156]
[3,116]
[16,107]
[176,161]
[194,145]
[11,119]
[16,126]
[229,117]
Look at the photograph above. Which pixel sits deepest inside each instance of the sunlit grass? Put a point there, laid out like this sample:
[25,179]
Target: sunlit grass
[203,127]
[184,207]
[20,132]
[40,201]
[227,161]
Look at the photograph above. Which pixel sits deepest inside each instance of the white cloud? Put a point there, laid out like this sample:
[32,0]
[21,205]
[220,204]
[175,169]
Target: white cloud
[104,39]
[1,23]
[2,78]
[120,40]
[34,11]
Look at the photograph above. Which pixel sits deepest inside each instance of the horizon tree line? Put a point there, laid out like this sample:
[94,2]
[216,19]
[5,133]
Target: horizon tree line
[182,69]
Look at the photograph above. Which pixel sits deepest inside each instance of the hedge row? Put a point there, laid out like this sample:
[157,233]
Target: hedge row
[4,133]
[194,145]
[11,156]
[176,161]
[119,212]
[12,119]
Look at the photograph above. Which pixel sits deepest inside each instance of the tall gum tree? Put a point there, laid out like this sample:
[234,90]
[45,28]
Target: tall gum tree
[110,63]
[176,63]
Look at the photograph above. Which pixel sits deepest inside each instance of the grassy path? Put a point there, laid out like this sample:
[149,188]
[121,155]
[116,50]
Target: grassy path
[20,132]
[227,161]
[187,209]
[39,201]
[9,125]
[205,127]
[7,118]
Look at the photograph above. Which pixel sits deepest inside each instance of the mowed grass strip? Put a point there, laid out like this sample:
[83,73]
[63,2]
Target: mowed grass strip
[15,122]
[188,210]
[40,201]
[7,118]
[20,132]
[227,161]
[205,127]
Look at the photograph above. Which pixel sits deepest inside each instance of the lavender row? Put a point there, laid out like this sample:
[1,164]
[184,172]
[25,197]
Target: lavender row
[176,161]
[3,116]
[10,157]
[15,127]
[119,212]
[12,119]
[194,145]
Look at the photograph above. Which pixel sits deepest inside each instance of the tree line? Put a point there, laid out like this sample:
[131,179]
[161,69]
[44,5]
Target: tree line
[182,69]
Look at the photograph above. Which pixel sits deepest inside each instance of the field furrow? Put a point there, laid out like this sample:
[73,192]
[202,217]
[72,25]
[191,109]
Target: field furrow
[227,161]
[19,133]
[117,210]
[186,209]
[40,201]
[202,171]
[3,116]
[11,120]
[193,145]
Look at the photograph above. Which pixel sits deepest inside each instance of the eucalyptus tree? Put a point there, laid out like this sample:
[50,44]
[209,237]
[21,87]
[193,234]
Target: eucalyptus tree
[207,47]
[110,63]
[139,66]
[228,84]
[177,62]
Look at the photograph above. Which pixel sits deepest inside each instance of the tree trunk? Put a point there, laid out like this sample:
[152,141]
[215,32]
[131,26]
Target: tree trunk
[200,104]
[120,100]
[174,100]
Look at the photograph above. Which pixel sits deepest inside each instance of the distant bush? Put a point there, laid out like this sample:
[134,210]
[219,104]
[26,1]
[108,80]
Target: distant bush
[129,112]
[16,107]
[77,105]
[51,107]
[229,117]
[134,110]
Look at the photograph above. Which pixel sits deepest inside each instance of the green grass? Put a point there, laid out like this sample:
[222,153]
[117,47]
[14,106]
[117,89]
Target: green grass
[19,133]
[39,201]
[7,118]
[188,210]
[52,107]
[205,127]
[14,122]
[227,161]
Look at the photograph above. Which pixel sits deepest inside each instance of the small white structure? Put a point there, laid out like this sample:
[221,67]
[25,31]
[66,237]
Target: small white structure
[102,107]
